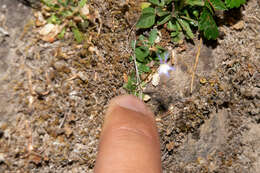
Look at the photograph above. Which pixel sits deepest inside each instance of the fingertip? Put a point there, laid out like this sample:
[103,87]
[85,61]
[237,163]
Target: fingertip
[129,112]
[129,102]
[129,138]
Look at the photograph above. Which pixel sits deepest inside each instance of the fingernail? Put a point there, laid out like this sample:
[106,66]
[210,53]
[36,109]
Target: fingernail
[132,103]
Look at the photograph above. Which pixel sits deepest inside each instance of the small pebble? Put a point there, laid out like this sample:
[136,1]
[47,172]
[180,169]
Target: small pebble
[2,157]
[47,29]
[203,80]
[239,25]
[257,45]
[146,98]
[156,79]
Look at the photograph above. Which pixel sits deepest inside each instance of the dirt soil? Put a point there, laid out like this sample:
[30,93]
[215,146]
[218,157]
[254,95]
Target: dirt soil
[53,95]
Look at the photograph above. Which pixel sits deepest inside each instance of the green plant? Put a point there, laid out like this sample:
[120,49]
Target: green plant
[145,51]
[131,85]
[183,17]
[68,12]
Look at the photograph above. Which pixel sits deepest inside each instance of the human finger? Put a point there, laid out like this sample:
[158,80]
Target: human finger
[129,140]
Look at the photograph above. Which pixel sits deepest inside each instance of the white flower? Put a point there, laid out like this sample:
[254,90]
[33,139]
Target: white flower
[164,68]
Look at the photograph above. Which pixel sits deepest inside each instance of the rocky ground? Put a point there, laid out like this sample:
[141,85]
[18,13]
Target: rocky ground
[54,95]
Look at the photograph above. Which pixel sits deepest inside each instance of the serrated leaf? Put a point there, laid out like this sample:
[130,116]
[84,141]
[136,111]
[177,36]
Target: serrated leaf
[194,2]
[141,53]
[164,20]
[208,25]
[186,27]
[147,18]
[218,4]
[153,36]
[234,3]
[77,35]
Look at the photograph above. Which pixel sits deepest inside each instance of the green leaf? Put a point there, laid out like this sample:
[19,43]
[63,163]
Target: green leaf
[218,4]
[55,7]
[207,4]
[66,13]
[153,36]
[164,20]
[82,3]
[177,36]
[133,43]
[48,3]
[143,68]
[190,20]
[160,3]
[195,2]
[145,5]
[63,2]
[131,83]
[175,33]
[54,19]
[172,26]
[186,27]
[62,33]
[147,18]
[77,35]
[160,12]
[157,2]
[208,25]
[234,3]
[142,38]
[141,53]
[195,13]
[167,2]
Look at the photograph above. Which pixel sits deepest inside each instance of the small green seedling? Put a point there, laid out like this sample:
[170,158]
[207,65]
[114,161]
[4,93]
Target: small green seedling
[68,12]
[145,51]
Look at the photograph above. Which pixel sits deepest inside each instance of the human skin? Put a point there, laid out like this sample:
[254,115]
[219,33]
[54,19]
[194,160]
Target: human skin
[129,141]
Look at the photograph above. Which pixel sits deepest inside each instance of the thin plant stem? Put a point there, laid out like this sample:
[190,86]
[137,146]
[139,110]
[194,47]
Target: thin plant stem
[195,66]
[137,73]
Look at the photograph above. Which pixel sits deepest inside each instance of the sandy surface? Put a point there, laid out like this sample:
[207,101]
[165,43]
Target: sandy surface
[53,95]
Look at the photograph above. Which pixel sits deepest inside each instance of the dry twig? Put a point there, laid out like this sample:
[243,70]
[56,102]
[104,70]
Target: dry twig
[64,119]
[137,73]
[195,66]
